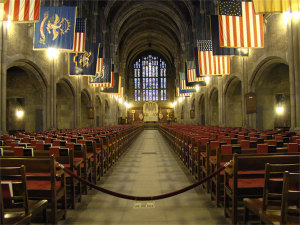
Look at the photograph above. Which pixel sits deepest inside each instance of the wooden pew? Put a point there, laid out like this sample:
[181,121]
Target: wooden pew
[44,181]
[272,193]
[246,178]
[290,201]
[14,197]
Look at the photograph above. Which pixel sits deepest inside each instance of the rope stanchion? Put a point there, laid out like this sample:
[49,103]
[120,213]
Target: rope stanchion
[144,198]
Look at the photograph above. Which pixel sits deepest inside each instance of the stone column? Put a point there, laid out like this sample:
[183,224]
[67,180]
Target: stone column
[293,35]
[221,103]
[207,108]
[77,102]
[52,97]
[3,51]
[245,90]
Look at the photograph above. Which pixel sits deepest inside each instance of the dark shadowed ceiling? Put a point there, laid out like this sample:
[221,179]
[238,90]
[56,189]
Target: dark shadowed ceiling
[160,26]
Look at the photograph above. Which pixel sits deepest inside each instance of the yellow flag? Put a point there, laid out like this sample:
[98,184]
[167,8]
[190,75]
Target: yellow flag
[276,6]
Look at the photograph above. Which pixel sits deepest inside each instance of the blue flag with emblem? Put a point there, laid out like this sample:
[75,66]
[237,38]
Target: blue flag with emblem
[84,64]
[55,28]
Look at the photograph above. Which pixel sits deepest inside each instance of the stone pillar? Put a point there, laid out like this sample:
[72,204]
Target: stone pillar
[3,51]
[77,102]
[293,35]
[52,97]
[245,90]
[221,103]
[207,108]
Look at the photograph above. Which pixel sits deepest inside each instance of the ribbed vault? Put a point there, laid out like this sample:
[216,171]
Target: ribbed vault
[159,26]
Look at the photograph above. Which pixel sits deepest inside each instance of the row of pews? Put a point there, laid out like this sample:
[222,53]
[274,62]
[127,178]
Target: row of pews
[242,187]
[32,183]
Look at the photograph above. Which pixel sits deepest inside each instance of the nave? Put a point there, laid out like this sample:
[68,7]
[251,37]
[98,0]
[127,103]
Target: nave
[149,167]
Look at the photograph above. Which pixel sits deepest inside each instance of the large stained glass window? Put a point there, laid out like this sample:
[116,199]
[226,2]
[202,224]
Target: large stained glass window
[150,79]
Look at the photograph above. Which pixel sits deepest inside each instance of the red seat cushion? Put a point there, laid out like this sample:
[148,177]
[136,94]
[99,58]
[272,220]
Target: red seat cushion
[293,147]
[249,183]
[41,185]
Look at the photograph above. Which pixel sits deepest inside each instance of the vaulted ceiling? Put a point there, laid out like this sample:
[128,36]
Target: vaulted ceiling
[161,26]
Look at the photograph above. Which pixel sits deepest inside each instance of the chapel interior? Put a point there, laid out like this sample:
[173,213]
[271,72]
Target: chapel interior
[164,111]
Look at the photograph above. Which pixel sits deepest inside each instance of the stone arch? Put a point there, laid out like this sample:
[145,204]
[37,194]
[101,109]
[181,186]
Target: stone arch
[233,102]
[26,89]
[85,100]
[65,104]
[214,107]
[261,67]
[271,84]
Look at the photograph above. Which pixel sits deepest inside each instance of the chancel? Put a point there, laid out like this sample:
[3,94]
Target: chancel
[149,112]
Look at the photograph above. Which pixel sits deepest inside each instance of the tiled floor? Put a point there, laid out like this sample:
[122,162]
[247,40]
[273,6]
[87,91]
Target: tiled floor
[149,167]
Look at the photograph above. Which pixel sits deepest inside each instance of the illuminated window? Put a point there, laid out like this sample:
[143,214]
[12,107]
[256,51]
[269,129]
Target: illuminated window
[150,79]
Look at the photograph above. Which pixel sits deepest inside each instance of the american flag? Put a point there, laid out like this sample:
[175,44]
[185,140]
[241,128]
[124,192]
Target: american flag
[100,59]
[239,26]
[108,70]
[183,83]
[79,38]
[191,72]
[122,91]
[20,10]
[178,94]
[209,64]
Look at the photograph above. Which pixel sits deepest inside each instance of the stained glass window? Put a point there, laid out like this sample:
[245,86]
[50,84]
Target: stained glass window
[150,79]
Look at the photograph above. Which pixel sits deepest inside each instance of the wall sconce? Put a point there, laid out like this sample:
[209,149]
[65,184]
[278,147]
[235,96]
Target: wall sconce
[279,105]
[19,113]
[207,80]
[52,53]
[280,110]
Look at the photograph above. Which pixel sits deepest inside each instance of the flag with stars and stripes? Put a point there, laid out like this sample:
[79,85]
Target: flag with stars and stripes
[183,85]
[100,60]
[106,77]
[20,10]
[183,93]
[122,90]
[209,64]
[239,26]
[192,72]
[79,37]
[215,37]
[116,87]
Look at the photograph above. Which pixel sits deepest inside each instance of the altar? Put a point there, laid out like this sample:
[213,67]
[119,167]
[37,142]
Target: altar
[150,111]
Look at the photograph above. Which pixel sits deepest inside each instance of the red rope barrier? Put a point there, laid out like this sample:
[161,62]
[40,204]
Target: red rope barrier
[144,198]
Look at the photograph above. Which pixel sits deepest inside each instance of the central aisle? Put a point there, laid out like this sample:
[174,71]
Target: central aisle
[149,167]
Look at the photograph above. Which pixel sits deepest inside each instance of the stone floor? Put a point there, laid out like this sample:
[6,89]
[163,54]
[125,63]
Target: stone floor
[149,167]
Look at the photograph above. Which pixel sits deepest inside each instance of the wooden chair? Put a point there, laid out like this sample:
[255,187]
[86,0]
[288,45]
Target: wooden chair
[246,178]
[14,197]
[44,181]
[289,212]
[271,199]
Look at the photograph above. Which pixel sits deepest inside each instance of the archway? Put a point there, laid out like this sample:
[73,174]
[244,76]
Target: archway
[202,110]
[272,93]
[98,111]
[233,100]
[64,104]
[214,108]
[25,92]
[85,104]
